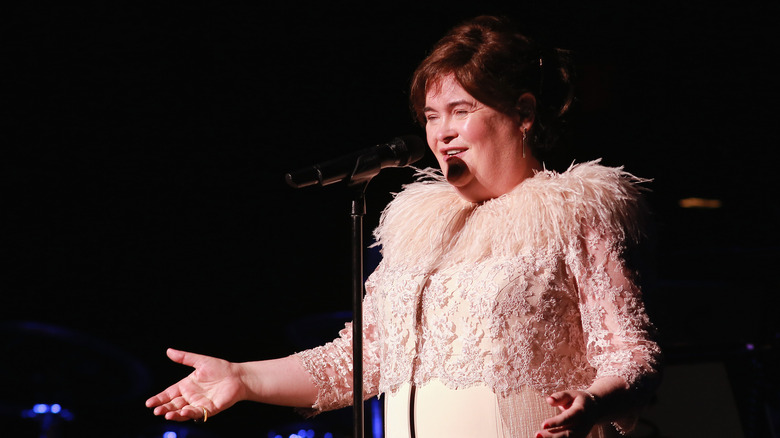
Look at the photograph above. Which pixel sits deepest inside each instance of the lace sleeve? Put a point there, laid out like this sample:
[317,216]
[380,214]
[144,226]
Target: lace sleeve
[618,332]
[330,365]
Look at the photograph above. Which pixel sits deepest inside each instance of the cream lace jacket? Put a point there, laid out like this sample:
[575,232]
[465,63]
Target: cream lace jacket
[525,290]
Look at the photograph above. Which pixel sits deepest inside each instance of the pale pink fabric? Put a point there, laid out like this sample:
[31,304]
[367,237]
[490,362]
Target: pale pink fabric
[474,412]
[546,311]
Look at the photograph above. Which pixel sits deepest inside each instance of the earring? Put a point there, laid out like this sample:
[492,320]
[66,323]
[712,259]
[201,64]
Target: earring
[524,143]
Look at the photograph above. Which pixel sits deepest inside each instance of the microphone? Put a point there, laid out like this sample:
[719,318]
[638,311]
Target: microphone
[362,165]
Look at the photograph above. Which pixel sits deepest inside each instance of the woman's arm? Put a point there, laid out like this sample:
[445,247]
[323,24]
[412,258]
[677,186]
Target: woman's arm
[330,365]
[618,343]
[317,380]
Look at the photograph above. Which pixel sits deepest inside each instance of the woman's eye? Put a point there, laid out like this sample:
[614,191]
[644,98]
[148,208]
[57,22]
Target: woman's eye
[460,112]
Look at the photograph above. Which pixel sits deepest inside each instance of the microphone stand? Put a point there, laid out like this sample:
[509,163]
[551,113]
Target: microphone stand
[365,168]
[356,216]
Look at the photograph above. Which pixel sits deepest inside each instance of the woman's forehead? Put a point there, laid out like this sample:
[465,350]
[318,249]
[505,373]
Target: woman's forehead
[445,86]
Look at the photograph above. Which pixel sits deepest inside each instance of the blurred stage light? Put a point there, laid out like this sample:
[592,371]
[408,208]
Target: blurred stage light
[45,409]
[700,203]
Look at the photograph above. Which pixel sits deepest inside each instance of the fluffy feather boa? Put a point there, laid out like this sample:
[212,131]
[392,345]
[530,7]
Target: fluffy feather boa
[428,219]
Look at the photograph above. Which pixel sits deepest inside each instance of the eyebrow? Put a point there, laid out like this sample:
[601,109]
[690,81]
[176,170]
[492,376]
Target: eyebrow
[451,105]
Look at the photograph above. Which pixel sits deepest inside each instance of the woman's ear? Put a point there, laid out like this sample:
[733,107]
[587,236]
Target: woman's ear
[526,109]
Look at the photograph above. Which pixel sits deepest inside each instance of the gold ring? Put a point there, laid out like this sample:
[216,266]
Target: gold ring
[205,415]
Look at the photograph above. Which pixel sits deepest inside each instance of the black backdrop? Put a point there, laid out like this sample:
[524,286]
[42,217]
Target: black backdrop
[144,205]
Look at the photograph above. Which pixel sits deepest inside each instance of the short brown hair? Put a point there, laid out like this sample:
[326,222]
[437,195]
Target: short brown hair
[496,64]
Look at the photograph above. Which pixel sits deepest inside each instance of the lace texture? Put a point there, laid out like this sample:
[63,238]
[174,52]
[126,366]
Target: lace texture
[517,309]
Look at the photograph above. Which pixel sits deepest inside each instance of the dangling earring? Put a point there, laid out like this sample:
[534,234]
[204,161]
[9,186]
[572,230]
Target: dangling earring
[524,143]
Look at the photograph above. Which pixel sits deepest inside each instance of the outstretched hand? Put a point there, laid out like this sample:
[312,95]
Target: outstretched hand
[214,385]
[578,415]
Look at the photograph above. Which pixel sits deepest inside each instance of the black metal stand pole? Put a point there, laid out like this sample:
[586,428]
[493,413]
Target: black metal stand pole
[356,215]
[357,170]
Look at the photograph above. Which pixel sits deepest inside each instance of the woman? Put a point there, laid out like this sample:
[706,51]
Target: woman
[502,306]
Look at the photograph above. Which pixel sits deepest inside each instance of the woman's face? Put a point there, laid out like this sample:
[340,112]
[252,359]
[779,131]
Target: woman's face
[479,149]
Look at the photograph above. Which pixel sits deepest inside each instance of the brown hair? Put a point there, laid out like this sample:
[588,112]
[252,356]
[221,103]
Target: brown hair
[496,64]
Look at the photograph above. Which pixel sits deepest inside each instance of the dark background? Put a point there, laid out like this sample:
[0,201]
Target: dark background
[144,206]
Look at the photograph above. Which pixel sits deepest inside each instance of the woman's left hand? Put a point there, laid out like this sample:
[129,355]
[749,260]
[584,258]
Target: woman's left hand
[578,415]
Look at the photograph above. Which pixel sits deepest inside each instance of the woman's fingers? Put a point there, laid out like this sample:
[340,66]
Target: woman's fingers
[573,419]
[180,409]
[210,388]
[161,408]
[173,391]
[560,399]
[188,412]
[170,394]
[560,420]
[162,398]
[176,416]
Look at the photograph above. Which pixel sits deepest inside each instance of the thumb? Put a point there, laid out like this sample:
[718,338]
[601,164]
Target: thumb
[560,399]
[183,357]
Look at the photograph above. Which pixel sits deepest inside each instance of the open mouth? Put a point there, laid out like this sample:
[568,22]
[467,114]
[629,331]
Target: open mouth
[453,152]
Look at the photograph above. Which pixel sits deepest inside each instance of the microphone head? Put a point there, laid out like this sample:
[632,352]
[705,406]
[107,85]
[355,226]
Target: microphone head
[361,165]
[409,149]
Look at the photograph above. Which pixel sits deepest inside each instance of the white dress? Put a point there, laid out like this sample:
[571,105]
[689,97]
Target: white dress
[487,308]
[473,412]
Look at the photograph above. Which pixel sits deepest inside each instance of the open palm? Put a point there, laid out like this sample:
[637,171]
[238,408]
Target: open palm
[214,385]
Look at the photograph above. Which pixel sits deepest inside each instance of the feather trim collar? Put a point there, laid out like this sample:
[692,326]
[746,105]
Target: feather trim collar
[428,221]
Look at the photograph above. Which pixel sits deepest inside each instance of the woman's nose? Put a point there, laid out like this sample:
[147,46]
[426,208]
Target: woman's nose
[446,133]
